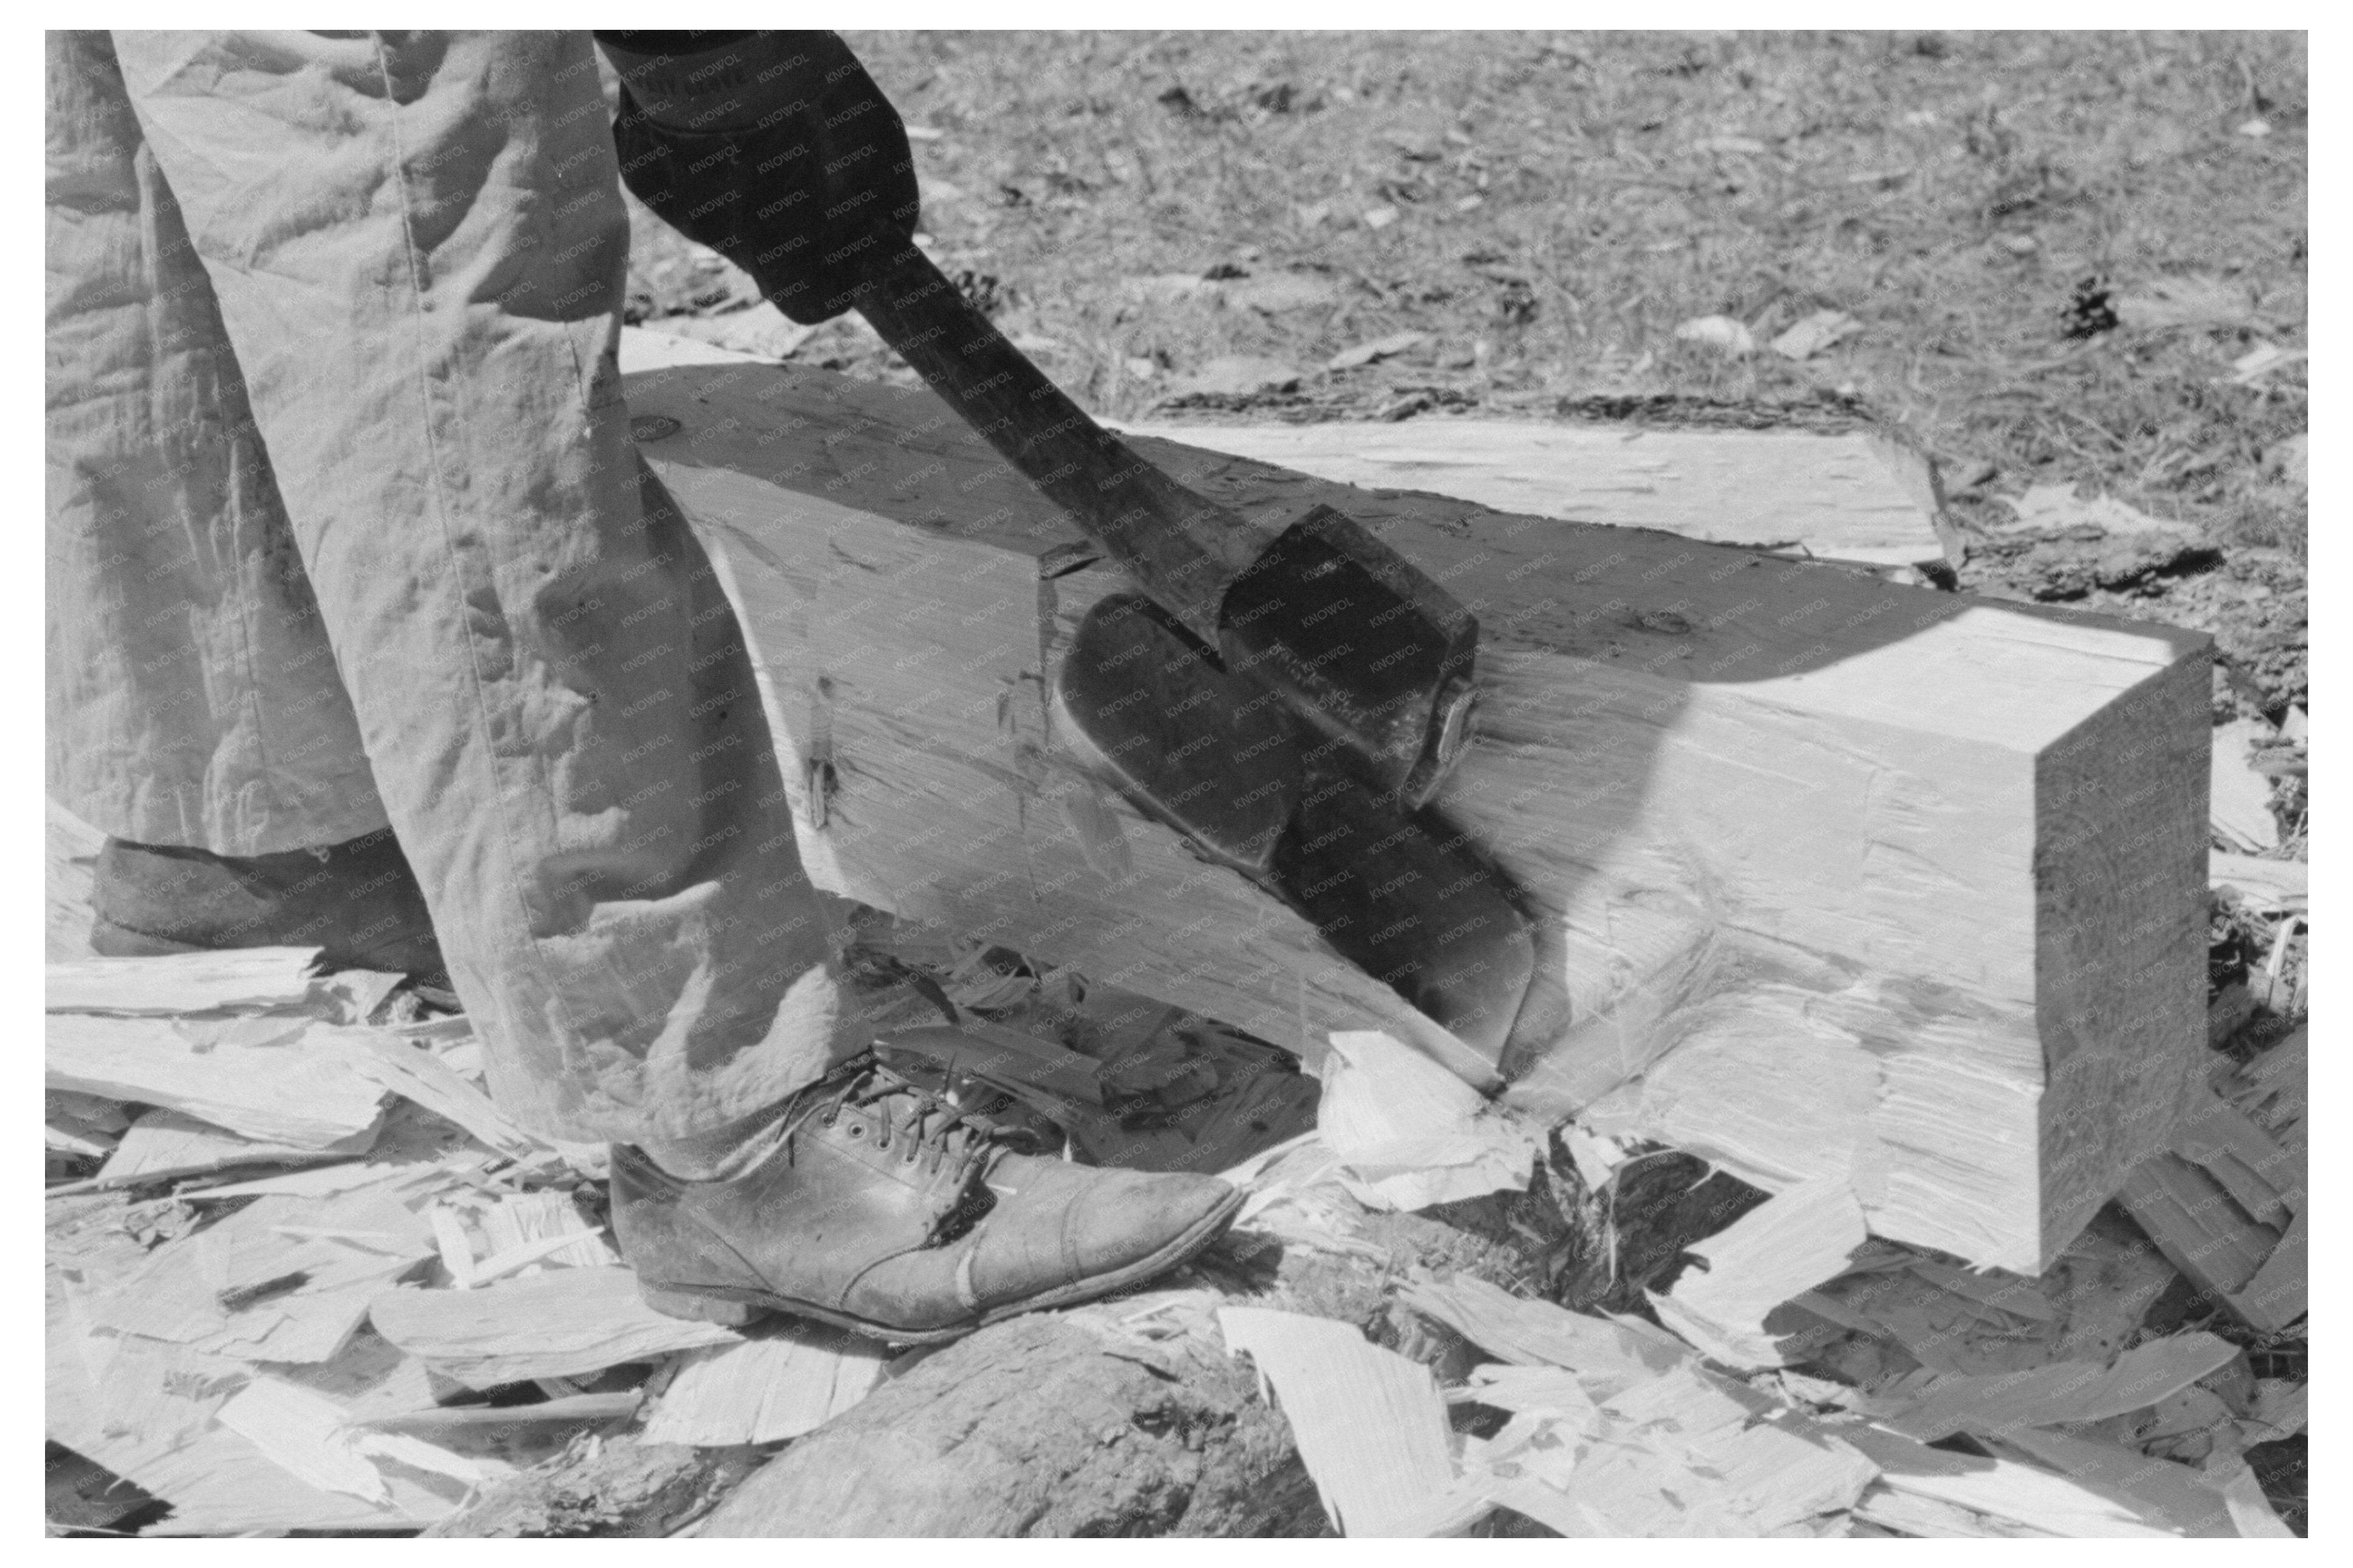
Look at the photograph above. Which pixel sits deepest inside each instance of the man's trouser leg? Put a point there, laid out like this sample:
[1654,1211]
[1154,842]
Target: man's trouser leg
[415,247]
[193,698]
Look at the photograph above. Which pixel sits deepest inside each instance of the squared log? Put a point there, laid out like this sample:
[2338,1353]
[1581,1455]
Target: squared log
[1848,492]
[1834,878]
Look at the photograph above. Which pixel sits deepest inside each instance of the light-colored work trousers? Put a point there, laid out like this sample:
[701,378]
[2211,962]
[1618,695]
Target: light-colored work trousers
[345,528]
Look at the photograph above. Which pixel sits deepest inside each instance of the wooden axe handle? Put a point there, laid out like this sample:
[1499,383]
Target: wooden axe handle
[1183,550]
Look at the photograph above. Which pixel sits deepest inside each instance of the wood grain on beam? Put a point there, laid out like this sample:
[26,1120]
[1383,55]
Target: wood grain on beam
[1835,877]
[1851,496]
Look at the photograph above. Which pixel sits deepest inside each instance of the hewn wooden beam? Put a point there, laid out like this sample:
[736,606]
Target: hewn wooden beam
[1850,494]
[1835,877]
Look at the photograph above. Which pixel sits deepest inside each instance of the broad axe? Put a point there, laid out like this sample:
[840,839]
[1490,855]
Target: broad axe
[1291,705]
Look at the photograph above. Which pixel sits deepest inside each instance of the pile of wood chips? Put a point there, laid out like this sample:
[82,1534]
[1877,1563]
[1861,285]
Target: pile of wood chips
[303,1276]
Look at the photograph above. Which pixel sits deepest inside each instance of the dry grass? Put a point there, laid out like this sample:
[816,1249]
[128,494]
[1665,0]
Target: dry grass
[1950,192]
[1897,177]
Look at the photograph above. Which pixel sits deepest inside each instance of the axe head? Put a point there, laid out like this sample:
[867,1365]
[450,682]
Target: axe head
[1371,654]
[1213,757]
[1222,760]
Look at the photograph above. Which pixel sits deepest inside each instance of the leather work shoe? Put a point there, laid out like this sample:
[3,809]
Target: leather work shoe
[880,1209]
[357,899]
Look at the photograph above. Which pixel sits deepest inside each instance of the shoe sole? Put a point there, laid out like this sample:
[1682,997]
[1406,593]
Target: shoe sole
[734,1307]
[111,941]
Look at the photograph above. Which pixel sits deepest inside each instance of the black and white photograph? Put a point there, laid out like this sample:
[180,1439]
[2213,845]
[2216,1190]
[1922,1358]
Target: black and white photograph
[1259,774]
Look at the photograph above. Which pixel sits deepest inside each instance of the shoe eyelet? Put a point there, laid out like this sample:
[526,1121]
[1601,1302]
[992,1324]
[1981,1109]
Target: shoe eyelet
[858,1129]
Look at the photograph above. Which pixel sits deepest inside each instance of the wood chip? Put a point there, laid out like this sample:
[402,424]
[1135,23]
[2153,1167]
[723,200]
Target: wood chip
[2251,1514]
[65,1137]
[310,1323]
[461,1421]
[356,994]
[561,1324]
[301,1094]
[2241,801]
[1913,1514]
[1814,333]
[1607,1357]
[1999,1287]
[310,1438]
[326,1181]
[1370,1427]
[2281,1410]
[2278,1294]
[2056,508]
[88,1113]
[456,1249]
[525,1254]
[1277,291]
[1551,1391]
[1164,288]
[166,1144]
[1410,1132]
[2266,887]
[300,1432]
[1967,1322]
[2004,1489]
[1774,1252]
[369,1378]
[1238,376]
[1597,1157]
[2191,301]
[1772,1476]
[1689,1399]
[1552,1507]
[206,1289]
[2263,1179]
[1688,1453]
[2273,1086]
[1379,349]
[2195,1224]
[2262,359]
[790,1380]
[83,1125]
[242,978]
[143,1409]
[1722,333]
[1939,1405]
[546,1223]
[2174,1497]
[385,1059]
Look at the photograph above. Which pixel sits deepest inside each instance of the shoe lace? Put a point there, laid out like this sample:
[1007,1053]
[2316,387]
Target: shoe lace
[934,1131]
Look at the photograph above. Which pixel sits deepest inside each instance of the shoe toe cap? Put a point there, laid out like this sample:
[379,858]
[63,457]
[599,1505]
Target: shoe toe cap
[1139,1216]
[1062,1224]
